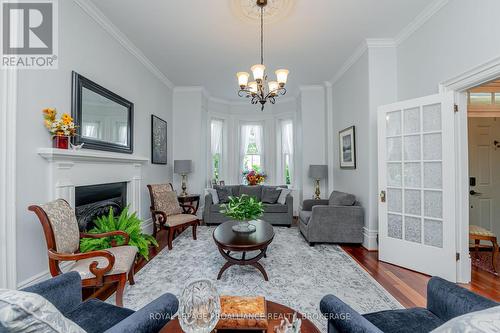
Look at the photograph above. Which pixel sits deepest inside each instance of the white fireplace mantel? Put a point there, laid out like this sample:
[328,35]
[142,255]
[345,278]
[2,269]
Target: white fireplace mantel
[83,155]
[69,169]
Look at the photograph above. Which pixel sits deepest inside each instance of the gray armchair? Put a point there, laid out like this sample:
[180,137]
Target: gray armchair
[340,219]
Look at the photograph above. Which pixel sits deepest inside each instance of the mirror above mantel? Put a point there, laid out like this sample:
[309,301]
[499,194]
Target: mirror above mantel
[104,120]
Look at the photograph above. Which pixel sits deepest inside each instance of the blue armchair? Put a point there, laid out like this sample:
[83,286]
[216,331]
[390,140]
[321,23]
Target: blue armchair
[94,316]
[445,301]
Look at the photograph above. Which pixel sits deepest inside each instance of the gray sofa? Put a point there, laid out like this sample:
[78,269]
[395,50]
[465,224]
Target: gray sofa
[340,219]
[276,214]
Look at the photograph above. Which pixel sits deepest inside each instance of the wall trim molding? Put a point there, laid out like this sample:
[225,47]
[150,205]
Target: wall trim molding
[98,16]
[420,20]
[473,77]
[45,275]
[8,118]
[370,239]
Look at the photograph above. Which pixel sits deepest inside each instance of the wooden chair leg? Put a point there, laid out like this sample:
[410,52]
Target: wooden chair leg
[131,276]
[495,254]
[171,232]
[194,230]
[120,289]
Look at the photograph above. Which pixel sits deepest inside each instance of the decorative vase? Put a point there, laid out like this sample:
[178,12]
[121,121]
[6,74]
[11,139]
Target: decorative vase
[244,227]
[199,307]
[60,142]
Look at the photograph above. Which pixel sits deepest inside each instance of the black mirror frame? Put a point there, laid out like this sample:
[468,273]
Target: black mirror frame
[79,82]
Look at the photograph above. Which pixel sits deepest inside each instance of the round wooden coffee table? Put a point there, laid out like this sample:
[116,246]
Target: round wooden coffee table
[276,313]
[230,242]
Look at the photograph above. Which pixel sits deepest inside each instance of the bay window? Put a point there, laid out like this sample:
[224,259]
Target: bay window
[287,165]
[216,133]
[252,151]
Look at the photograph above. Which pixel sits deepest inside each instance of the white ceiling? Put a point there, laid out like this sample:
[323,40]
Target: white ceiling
[204,42]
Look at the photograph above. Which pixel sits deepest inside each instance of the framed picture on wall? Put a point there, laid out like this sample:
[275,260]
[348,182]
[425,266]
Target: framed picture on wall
[347,148]
[158,140]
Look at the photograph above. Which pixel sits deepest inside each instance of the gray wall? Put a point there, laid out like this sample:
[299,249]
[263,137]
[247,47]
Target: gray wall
[462,35]
[86,48]
[351,107]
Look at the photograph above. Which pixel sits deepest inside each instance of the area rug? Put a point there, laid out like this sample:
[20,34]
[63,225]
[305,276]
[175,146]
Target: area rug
[299,275]
[482,260]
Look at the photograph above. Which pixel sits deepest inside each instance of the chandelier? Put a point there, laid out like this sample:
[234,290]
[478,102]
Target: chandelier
[261,90]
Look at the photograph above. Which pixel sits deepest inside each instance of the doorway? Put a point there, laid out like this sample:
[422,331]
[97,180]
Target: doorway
[483,122]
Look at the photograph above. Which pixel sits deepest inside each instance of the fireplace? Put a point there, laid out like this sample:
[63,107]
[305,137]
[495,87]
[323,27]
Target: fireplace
[96,200]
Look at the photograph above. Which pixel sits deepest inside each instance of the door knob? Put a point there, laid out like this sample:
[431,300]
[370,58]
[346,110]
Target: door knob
[472,192]
[382,196]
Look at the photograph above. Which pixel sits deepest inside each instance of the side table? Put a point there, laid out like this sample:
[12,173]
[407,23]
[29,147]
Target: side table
[192,200]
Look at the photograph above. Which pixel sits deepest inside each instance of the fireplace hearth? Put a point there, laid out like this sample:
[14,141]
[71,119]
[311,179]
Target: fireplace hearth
[96,200]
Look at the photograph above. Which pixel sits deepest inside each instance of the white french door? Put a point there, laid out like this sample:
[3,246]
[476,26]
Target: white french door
[417,185]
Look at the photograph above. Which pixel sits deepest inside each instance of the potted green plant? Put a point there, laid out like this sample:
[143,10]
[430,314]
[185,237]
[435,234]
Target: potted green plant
[243,209]
[129,223]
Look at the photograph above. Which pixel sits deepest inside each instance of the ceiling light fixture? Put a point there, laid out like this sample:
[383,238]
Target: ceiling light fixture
[261,90]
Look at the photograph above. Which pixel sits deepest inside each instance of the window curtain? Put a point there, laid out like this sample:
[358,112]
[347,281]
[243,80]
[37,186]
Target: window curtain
[259,139]
[216,137]
[245,140]
[287,146]
[216,130]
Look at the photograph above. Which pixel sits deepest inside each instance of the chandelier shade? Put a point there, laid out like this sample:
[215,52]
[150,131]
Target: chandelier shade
[261,90]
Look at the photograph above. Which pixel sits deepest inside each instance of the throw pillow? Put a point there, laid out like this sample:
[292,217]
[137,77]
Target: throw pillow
[270,195]
[28,312]
[252,191]
[224,193]
[284,193]
[484,321]
[341,199]
[213,193]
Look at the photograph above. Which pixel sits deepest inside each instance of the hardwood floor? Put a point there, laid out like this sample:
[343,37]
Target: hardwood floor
[407,286]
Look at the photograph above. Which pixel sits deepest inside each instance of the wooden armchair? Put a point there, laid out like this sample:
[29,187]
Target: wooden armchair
[168,213]
[96,267]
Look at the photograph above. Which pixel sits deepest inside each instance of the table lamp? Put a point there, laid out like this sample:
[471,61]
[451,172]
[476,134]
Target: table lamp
[318,172]
[183,167]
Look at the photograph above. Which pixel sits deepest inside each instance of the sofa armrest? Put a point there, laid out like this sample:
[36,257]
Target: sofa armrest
[208,200]
[150,318]
[448,300]
[63,291]
[342,318]
[308,204]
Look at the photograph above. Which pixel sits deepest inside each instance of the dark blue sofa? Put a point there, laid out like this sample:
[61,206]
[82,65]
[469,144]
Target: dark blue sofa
[95,316]
[445,300]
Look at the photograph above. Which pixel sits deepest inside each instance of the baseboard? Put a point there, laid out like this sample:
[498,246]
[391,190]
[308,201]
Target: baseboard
[370,239]
[147,227]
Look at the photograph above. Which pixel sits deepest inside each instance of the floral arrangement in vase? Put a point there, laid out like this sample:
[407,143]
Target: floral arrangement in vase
[253,177]
[61,129]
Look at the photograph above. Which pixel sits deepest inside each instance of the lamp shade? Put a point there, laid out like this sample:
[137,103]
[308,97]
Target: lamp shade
[182,167]
[318,171]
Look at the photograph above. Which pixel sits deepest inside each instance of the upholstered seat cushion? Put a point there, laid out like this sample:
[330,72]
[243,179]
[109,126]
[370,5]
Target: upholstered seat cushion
[124,259]
[404,321]
[275,208]
[109,315]
[305,216]
[476,230]
[174,220]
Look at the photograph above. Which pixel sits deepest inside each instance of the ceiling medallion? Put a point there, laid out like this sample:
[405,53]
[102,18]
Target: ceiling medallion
[249,10]
[261,90]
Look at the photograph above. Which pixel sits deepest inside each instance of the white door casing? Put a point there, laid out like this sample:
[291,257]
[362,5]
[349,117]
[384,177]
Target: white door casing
[484,163]
[417,174]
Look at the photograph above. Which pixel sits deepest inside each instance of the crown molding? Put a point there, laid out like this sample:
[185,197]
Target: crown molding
[358,53]
[88,7]
[420,20]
